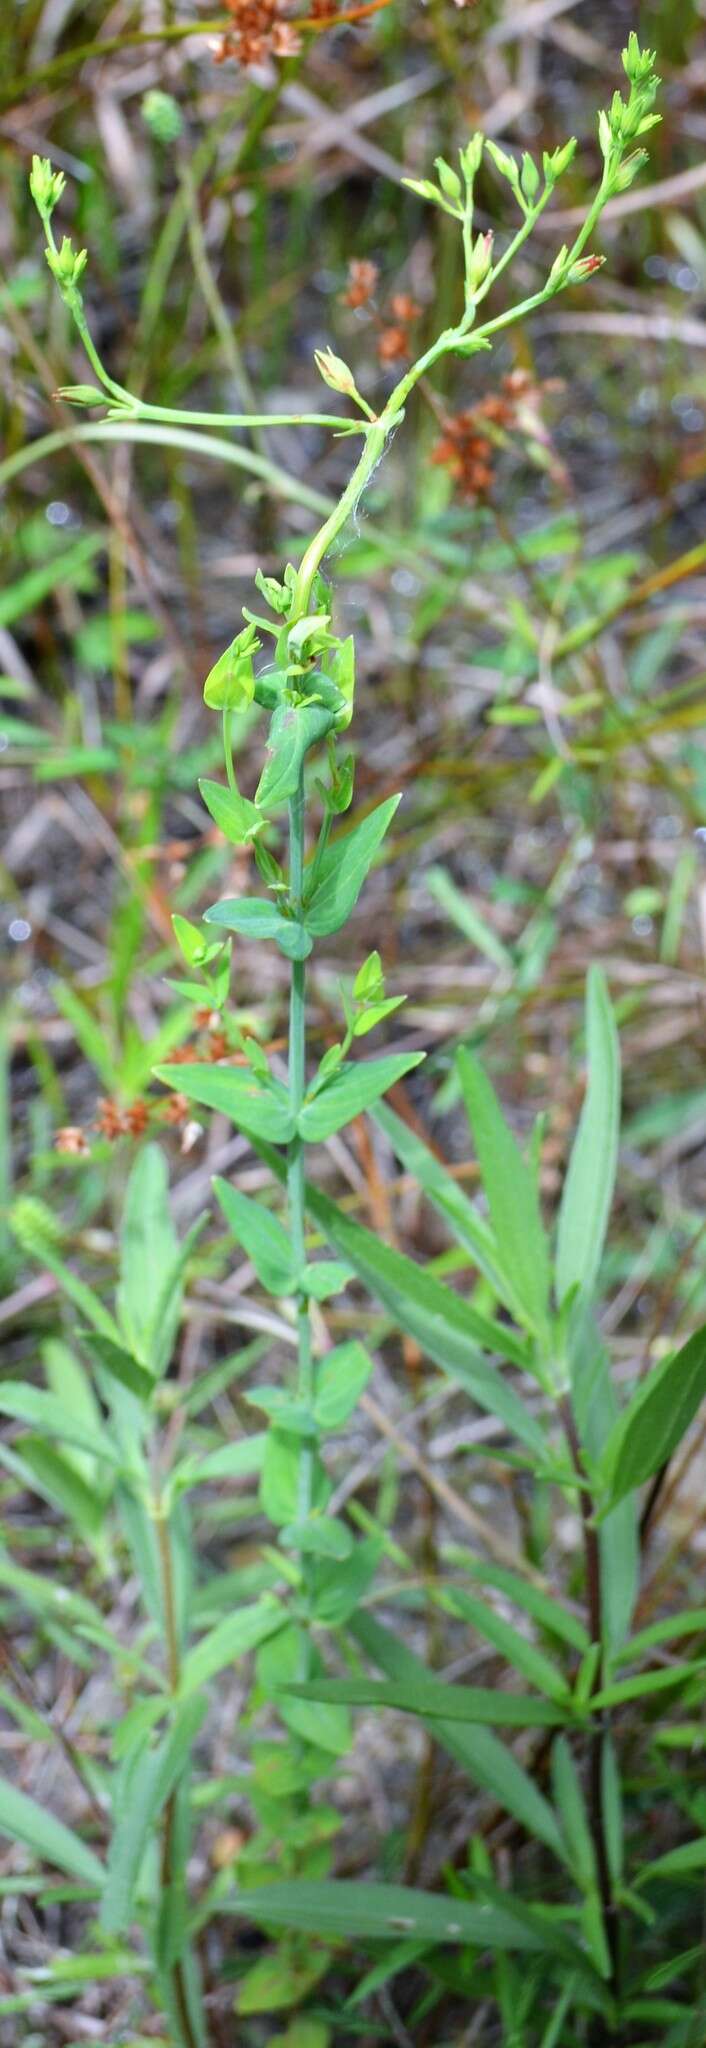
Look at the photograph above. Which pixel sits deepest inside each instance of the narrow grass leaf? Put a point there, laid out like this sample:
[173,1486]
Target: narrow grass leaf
[588,1188]
[433,1699]
[445,1326]
[658,1416]
[23,1820]
[511,1192]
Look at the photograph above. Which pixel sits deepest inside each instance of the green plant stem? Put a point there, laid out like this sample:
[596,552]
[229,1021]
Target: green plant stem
[295,1155]
[594,1597]
[171,1642]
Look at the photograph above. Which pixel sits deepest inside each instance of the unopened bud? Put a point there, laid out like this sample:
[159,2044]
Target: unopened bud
[584,268]
[480,261]
[449,181]
[162,116]
[46,185]
[67,264]
[335,372]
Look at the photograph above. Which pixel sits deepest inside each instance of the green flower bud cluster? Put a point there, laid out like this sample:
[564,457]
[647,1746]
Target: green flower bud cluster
[626,119]
[67,265]
[162,115]
[46,186]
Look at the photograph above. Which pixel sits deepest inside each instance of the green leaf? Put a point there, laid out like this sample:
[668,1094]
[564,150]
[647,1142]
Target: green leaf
[470,1229]
[143,1787]
[324,1278]
[119,1363]
[263,1111]
[511,1193]
[280,1663]
[340,1379]
[229,1640]
[514,1647]
[676,1863]
[148,1247]
[231,1461]
[544,1608]
[658,1416]
[379,1912]
[352,1089]
[262,1236]
[321,1536]
[468,920]
[588,1188]
[294,729]
[341,871]
[50,1473]
[445,1326]
[488,1761]
[255,917]
[570,1806]
[434,1700]
[52,1842]
[45,1413]
[235,816]
[88,1031]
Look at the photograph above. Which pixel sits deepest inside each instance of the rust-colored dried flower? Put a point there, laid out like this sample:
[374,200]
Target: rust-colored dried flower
[284,41]
[176,1108]
[216,1046]
[404,309]
[362,279]
[137,1117]
[467,453]
[393,344]
[110,1120]
[71,1139]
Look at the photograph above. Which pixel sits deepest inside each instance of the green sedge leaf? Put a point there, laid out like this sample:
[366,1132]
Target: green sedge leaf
[143,1786]
[377,1912]
[263,1111]
[533,1663]
[647,1433]
[470,1230]
[448,1329]
[352,1089]
[588,1188]
[23,1820]
[571,1808]
[45,1413]
[341,871]
[229,1640]
[511,1193]
[434,1700]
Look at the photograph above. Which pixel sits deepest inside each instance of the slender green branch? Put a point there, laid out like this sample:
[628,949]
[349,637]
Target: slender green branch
[168,1870]
[296,1150]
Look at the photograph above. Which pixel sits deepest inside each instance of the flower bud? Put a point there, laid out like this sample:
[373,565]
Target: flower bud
[67,264]
[335,372]
[480,261]
[471,156]
[584,268]
[162,116]
[46,185]
[529,178]
[556,163]
[449,181]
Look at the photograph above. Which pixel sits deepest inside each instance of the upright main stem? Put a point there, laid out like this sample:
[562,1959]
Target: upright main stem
[600,1729]
[295,1157]
[169,1873]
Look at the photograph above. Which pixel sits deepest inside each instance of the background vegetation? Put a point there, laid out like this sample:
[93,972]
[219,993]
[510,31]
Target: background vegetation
[526,585]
